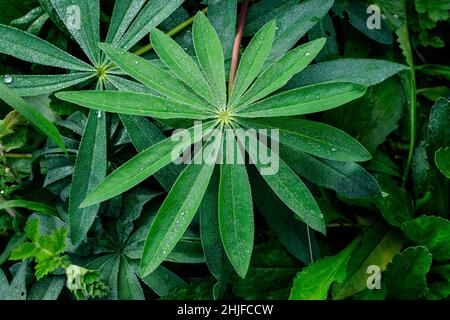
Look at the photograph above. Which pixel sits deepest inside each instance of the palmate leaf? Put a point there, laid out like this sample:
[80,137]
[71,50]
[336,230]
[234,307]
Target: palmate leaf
[28,47]
[313,137]
[134,104]
[236,214]
[305,100]
[142,166]
[177,210]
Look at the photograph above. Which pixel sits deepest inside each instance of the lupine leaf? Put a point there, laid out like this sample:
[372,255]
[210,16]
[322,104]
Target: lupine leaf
[252,61]
[131,103]
[25,46]
[210,56]
[182,65]
[236,214]
[90,170]
[304,100]
[176,212]
[140,168]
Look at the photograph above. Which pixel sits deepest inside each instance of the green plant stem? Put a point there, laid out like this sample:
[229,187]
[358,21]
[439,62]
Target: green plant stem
[171,33]
[237,45]
[18,155]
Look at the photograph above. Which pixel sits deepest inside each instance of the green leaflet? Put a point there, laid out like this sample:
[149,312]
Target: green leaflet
[432,232]
[222,14]
[152,76]
[210,56]
[123,15]
[367,72]
[29,205]
[177,210]
[313,137]
[34,85]
[25,46]
[288,187]
[439,124]
[295,22]
[182,65]
[144,134]
[311,99]
[442,159]
[313,282]
[139,104]
[154,12]
[90,170]
[290,231]
[40,122]
[280,72]
[209,228]
[378,246]
[82,20]
[236,214]
[143,166]
[405,277]
[252,61]
[346,178]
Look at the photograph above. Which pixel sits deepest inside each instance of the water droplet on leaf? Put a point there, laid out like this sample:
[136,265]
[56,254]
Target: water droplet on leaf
[8,79]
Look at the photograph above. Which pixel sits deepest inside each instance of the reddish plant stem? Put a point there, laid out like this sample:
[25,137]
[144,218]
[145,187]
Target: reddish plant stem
[237,45]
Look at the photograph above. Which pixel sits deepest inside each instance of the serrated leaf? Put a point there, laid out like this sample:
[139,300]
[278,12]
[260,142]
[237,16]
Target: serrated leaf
[90,170]
[405,277]
[131,103]
[40,122]
[305,100]
[210,56]
[313,282]
[252,61]
[28,47]
[432,232]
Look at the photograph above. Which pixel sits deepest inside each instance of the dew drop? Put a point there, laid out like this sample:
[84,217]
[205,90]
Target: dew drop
[8,79]
[99,114]
[334,149]
[307,54]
